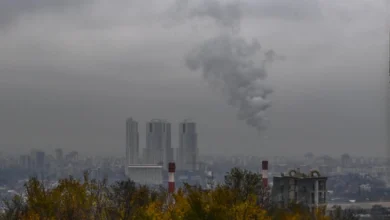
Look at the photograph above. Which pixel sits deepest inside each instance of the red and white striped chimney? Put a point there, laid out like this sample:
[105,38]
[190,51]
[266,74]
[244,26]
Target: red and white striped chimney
[264,172]
[171,177]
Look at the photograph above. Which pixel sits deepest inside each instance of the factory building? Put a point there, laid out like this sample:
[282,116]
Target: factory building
[148,174]
[187,153]
[297,187]
[158,143]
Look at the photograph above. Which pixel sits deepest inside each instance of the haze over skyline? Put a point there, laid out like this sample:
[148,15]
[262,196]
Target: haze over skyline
[71,72]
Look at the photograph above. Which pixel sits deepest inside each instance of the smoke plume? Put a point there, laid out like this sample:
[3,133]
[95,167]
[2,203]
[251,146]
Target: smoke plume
[227,61]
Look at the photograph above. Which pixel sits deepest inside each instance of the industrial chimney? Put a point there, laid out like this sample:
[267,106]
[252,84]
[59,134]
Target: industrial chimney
[264,172]
[171,177]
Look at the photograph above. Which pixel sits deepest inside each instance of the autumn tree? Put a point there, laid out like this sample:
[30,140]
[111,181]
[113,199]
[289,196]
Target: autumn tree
[244,183]
[193,203]
[38,200]
[128,200]
[241,197]
[120,196]
[15,209]
[71,199]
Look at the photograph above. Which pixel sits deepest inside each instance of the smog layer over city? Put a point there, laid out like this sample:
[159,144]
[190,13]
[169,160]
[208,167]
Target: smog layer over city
[116,87]
[72,71]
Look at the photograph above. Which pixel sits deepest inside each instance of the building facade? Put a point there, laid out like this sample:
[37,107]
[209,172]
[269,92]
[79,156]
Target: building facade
[158,143]
[297,187]
[132,142]
[187,153]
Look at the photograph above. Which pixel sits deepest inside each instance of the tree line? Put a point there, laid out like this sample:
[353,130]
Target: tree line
[241,197]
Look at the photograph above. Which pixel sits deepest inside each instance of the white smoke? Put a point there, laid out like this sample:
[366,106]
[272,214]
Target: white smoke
[227,61]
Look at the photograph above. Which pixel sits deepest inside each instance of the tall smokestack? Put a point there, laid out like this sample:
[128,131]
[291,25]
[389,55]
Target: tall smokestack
[264,172]
[171,177]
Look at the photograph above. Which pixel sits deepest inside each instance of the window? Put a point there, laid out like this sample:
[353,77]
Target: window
[150,127]
[312,198]
[321,185]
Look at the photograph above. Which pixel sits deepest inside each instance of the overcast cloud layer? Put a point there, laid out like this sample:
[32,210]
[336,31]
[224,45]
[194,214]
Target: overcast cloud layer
[71,72]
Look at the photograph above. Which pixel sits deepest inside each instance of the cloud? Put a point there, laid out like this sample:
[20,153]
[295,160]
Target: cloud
[332,47]
[12,11]
[295,10]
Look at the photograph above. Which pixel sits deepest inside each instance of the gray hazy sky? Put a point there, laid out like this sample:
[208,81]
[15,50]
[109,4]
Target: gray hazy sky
[71,72]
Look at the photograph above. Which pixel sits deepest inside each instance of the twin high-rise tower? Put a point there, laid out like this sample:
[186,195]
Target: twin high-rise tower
[158,148]
[188,146]
[158,143]
[132,142]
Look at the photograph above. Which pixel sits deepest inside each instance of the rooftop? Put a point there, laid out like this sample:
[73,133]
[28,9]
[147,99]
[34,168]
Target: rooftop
[300,175]
[145,166]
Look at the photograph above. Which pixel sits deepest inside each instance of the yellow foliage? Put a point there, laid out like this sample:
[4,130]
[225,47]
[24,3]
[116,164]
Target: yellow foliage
[199,204]
[72,199]
[249,210]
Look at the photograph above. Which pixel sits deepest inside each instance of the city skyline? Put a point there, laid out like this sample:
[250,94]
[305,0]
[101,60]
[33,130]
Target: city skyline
[342,179]
[284,102]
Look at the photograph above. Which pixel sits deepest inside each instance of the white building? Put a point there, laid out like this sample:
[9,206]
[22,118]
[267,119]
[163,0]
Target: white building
[132,142]
[146,174]
[187,153]
[158,143]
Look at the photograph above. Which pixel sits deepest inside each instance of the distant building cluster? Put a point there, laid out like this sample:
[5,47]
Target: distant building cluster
[158,151]
[39,163]
[343,179]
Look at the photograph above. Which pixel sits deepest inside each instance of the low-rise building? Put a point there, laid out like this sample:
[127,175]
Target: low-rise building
[146,174]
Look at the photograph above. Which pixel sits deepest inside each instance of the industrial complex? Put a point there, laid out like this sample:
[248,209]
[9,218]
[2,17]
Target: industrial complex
[158,166]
